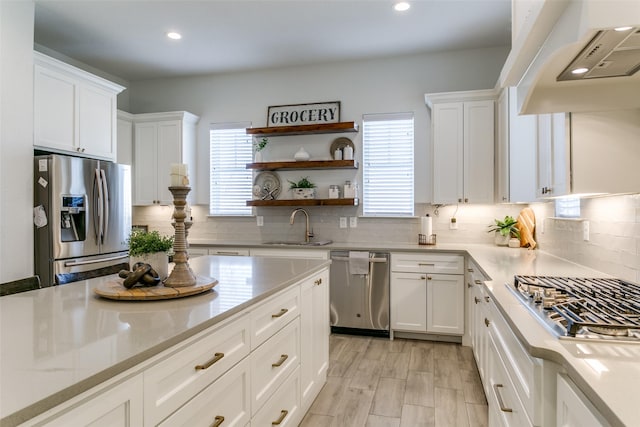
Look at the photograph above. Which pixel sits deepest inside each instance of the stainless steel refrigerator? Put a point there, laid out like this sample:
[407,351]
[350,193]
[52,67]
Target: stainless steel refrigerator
[86,205]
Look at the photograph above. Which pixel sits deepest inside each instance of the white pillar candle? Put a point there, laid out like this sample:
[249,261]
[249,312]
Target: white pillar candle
[179,175]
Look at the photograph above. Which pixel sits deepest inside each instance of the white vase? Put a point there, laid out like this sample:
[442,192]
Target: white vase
[304,193]
[501,240]
[258,157]
[301,155]
[159,261]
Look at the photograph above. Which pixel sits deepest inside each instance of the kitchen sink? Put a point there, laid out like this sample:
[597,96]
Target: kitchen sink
[287,243]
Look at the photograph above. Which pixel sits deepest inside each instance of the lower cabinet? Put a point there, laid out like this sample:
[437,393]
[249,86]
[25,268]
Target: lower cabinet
[573,409]
[283,408]
[121,405]
[431,303]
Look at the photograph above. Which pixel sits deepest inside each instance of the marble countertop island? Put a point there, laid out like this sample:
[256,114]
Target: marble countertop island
[60,341]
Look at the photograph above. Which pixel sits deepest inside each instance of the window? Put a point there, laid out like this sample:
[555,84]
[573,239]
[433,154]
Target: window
[229,180]
[387,159]
[568,207]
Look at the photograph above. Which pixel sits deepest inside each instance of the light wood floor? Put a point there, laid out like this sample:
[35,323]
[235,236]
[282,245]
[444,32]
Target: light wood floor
[407,383]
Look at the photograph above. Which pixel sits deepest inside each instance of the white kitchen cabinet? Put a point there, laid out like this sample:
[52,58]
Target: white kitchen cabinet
[161,139]
[463,146]
[196,252]
[74,111]
[516,151]
[573,409]
[120,406]
[229,251]
[553,155]
[422,299]
[125,138]
[314,337]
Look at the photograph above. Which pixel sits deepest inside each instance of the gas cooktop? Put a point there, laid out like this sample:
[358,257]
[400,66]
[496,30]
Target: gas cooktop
[578,307]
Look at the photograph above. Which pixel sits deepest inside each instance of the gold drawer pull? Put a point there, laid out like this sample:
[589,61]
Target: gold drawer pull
[486,322]
[476,299]
[478,282]
[219,419]
[216,357]
[282,312]
[486,299]
[283,357]
[503,408]
[426,263]
[470,270]
[318,282]
[279,421]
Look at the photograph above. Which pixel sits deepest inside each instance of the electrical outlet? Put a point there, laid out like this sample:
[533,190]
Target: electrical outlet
[353,221]
[585,231]
[453,224]
[260,220]
[343,222]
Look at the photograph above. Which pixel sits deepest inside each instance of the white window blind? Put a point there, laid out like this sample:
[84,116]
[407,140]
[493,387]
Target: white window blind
[229,180]
[387,141]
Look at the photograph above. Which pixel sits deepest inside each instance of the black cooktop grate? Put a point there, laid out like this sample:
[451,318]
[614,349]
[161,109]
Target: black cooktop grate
[602,305]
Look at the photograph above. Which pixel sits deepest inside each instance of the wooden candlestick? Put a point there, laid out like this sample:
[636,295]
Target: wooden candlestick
[181,275]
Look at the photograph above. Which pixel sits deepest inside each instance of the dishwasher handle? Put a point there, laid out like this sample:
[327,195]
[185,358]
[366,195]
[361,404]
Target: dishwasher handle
[346,258]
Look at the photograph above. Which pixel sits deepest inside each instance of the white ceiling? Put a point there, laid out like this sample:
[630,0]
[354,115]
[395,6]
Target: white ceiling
[127,38]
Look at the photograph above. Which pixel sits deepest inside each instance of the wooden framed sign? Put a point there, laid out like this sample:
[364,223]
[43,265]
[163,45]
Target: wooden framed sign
[303,114]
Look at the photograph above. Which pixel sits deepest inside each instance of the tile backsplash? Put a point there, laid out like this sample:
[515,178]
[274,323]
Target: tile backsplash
[613,246]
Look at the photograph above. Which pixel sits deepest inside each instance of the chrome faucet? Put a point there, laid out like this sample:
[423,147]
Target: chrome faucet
[308,232]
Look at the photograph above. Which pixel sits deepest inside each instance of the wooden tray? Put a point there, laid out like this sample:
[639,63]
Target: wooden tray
[115,290]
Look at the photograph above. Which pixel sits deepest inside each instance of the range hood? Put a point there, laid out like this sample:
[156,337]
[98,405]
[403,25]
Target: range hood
[586,34]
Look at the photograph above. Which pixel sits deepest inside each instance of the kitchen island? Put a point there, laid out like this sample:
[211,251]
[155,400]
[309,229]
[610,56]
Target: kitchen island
[61,343]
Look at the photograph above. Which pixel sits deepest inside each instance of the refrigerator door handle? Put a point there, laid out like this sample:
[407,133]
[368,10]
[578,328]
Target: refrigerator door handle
[105,205]
[100,208]
[93,261]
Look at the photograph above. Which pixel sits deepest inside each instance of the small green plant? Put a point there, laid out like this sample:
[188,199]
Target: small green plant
[259,145]
[143,242]
[505,227]
[302,183]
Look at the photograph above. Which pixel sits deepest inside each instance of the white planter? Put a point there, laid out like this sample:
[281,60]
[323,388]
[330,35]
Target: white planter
[304,193]
[159,261]
[501,240]
[258,157]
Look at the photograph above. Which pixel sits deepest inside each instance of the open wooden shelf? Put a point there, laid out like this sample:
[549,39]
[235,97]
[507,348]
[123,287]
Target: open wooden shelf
[309,164]
[304,129]
[304,202]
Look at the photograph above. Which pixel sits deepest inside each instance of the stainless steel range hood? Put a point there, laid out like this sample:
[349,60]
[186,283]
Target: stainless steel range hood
[585,36]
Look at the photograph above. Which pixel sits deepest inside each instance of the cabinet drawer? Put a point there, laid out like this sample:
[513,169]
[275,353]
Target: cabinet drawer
[175,380]
[272,363]
[226,402]
[474,275]
[427,263]
[505,408]
[273,314]
[283,409]
[525,371]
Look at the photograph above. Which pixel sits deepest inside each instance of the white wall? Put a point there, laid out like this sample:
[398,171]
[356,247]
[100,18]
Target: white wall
[370,86]
[16,139]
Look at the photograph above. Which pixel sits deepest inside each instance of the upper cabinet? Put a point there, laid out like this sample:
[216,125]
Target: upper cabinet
[516,151]
[74,111]
[553,157]
[463,139]
[159,140]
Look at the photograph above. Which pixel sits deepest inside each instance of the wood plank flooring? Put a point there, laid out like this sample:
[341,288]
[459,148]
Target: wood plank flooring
[375,382]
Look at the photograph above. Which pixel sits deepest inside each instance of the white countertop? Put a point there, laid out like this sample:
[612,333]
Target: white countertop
[59,341]
[52,339]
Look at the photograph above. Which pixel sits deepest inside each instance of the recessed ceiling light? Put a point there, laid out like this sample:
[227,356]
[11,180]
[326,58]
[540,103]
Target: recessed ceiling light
[174,36]
[401,6]
[579,70]
[623,28]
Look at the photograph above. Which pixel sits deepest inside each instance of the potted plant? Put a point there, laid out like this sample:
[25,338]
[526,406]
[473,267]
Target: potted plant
[151,248]
[504,230]
[303,189]
[258,146]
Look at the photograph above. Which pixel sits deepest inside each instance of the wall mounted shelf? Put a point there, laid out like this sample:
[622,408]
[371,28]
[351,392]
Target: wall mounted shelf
[310,164]
[304,202]
[341,127]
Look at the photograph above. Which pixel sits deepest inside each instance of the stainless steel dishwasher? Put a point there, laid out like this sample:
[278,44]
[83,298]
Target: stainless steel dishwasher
[359,302]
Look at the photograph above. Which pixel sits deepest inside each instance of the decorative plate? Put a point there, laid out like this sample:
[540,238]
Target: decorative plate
[339,144]
[266,186]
